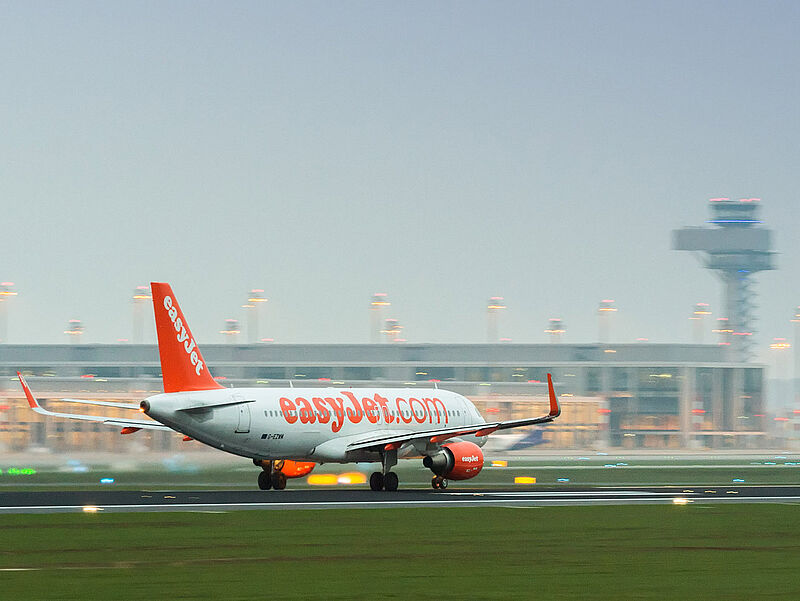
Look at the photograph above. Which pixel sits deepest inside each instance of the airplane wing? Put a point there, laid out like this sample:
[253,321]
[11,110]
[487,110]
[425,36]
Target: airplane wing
[132,406]
[128,425]
[395,441]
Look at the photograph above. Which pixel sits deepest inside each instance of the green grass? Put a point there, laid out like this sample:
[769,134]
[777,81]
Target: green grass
[695,552]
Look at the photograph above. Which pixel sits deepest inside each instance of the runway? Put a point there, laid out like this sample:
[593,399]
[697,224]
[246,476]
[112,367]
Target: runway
[130,500]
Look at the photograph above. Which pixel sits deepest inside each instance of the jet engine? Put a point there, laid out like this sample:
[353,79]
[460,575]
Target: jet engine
[456,460]
[294,469]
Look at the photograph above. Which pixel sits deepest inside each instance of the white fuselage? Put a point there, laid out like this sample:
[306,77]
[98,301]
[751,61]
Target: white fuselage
[310,424]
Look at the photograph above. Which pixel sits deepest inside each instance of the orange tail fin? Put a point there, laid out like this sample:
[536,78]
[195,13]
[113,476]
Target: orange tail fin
[182,364]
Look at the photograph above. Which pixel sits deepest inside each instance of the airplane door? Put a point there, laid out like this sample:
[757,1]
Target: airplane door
[244,418]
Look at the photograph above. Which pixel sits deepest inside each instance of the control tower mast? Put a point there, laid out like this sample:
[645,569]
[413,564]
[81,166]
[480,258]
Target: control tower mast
[736,249]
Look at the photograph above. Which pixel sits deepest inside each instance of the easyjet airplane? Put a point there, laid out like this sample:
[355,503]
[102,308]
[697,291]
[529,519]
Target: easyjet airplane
[287,431]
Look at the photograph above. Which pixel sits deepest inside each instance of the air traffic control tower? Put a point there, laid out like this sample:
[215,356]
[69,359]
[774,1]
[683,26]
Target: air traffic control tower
[736,249]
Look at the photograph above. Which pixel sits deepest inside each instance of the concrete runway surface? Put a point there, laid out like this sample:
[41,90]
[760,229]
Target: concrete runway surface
[200,500]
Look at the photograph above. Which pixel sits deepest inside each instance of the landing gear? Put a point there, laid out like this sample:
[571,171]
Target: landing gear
[264,480]
[385,479]
[271,475]
[376,481]
[439,483]
[380,481]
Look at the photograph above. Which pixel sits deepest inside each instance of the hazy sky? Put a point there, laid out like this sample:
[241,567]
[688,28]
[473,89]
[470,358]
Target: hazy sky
[440,152]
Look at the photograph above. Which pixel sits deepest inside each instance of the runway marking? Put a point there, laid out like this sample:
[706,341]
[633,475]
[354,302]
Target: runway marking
[379,504]
[563,493]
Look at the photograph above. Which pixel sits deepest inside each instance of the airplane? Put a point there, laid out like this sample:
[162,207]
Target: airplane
[287,431]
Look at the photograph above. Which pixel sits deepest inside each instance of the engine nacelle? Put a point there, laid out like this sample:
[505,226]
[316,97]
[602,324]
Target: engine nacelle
[294,469]
[456,461]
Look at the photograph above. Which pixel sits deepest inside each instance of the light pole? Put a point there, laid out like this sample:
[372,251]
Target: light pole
[698,321]
[255,299]
[74,331]
[231,331]
[556,329]
[780,346]
[796,374]
[493,308]
[604,312]
[392,330]
[724,331]
[6,292]
[377,306]
[141,296]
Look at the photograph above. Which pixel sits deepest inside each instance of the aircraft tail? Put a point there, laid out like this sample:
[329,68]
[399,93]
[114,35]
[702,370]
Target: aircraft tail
[182,365]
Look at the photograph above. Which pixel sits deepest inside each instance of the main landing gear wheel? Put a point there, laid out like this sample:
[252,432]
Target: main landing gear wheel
[376,481]
[437,482]
[279,480]
[264,481]
[390,481]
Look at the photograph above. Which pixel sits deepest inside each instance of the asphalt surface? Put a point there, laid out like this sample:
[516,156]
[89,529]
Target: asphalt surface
[199,500]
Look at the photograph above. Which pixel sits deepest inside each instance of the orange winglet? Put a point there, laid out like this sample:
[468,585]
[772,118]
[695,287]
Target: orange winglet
[129,430]
[555,410]
[28,394]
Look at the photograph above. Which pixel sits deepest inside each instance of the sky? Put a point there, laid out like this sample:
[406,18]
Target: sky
[439,152]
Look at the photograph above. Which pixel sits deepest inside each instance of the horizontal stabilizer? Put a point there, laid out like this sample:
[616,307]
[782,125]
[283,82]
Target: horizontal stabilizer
[109,421]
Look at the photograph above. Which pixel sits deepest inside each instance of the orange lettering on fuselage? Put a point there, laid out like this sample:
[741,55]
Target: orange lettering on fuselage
[338,408]
[387,414]
[355,415]
[307,415]
[324,413]
[287,407]
[430,410]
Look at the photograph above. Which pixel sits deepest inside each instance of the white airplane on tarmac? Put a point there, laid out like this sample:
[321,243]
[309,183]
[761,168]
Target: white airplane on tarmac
[287,431]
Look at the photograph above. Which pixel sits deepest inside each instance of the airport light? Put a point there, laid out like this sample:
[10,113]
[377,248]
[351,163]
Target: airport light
[698,320]
[724,331]
[141,298]
[493,308]
[74,330]
[252,308]
[779,344]
[605,310]
[796,376]
[555,329]
[6,292]
[392,330]
[377,307]
[231,330]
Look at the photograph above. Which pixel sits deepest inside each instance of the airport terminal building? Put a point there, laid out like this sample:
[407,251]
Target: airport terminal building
[614,396]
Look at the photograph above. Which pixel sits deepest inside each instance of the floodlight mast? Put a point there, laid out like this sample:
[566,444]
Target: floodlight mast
[735,248]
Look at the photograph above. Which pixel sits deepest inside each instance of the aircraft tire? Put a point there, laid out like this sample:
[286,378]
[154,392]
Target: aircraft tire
[278,481]
[376,481]
[264,481]
[390,481]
